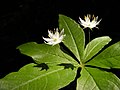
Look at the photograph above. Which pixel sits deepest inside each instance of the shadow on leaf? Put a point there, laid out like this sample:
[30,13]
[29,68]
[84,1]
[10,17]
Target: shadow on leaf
[67,51]
[66,66]
[113,70]
[43,66]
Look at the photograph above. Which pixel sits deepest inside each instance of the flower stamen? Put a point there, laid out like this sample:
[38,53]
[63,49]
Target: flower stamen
[89,21]
[54,37]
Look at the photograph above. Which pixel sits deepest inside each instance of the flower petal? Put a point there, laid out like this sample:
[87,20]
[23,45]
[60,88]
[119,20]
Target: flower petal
[50,33]
[54,38]
[47,39]
[88,22]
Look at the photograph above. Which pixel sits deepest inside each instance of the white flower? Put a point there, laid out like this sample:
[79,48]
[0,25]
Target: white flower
[90,21]
[54,37]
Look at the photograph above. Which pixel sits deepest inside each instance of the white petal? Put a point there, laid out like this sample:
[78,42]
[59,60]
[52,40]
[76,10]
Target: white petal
[47,39]
[87,19]
[81,21]
[62,32]
[88,22]
[50,43]
[98,21]
[61,38]
[56,35]
[92,26]
[50,33]
[54,38]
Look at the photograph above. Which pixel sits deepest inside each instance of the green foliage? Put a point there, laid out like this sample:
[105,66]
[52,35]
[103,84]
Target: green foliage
[96,79]
[32,77]
[109,58]
[55,68]
[95,46]
[42,53]
[75,37]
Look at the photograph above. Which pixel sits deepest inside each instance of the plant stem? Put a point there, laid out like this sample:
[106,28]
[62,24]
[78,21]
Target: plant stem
[89,35]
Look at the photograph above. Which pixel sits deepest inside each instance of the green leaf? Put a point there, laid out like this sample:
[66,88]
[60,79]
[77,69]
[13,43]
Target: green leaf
[42,53]
[75,38]
[109,58]
[96,79]
[95,46]
[31,77]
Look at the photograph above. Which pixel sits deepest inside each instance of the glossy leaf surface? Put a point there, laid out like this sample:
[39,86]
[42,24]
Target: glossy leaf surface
[42,53]
[109,58]
[95,46]
[32,77]
[75,38]
[96,79]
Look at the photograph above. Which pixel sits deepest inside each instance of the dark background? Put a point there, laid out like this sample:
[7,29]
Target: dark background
[23,21]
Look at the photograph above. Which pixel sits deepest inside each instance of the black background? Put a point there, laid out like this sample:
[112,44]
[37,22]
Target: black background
[23,21]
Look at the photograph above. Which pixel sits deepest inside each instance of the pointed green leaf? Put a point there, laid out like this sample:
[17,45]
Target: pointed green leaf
[42,53]
[109,58]
[95,46]
[95,79]
[31,77]
[74,38]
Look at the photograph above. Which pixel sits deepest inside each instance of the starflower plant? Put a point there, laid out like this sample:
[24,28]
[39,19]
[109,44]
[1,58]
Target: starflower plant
[90,21]
[57,66]
[54,37]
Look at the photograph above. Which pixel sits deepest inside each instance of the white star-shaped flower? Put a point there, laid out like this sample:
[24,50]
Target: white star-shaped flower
[54,37]
[90,21]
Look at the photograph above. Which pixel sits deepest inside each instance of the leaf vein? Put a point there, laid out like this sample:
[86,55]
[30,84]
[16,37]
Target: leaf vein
[93,79]
[37,78]
[73,38]
[92,49]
